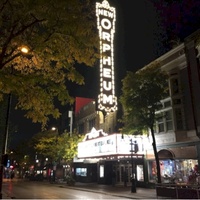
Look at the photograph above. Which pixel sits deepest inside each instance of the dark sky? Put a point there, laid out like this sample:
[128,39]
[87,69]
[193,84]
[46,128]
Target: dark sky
[144,29]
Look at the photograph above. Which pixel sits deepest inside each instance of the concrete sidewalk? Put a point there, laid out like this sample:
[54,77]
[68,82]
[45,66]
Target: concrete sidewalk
[117,190]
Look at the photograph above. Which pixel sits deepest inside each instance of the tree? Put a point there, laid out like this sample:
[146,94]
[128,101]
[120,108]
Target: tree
[141,95]
[57,146]
[71,145]
[41,44]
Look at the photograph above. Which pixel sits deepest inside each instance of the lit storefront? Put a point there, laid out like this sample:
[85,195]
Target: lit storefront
[178,164]
[99,154]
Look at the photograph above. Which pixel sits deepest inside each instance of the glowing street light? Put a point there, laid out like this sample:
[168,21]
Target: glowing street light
[53,128]
[24,50]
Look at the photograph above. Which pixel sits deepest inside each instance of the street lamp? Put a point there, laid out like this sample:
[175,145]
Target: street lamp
[4,156]
[133,181]
[55,161]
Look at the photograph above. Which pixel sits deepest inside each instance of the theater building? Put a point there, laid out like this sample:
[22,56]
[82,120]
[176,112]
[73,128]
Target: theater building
[100,154]
[177,130]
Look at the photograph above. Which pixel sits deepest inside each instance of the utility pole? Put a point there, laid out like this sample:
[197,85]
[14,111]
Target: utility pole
[23,51]
[70,115]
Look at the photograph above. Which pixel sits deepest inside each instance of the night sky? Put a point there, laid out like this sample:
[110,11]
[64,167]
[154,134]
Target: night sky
[145,30]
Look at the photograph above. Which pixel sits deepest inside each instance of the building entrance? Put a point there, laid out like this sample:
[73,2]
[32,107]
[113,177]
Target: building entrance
[124,172]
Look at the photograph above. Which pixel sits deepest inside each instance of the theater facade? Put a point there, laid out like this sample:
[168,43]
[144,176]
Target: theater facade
[177,131]
[100,154]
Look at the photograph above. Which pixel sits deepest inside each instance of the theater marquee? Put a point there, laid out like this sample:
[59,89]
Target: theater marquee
[99,144]
[107,101]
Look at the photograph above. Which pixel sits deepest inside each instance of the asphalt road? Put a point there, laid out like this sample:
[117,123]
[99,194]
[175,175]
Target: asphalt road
[45,190]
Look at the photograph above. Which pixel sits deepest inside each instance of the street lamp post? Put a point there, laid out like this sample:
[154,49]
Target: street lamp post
[55,161]
[23,50]
[133,181]
[5,143]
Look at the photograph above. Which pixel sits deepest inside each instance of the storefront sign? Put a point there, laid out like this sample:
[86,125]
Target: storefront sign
[109,145]
[94,134]
[107,101]
[97,147]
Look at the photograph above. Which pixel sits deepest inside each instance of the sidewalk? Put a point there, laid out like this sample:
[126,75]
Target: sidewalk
[118,190]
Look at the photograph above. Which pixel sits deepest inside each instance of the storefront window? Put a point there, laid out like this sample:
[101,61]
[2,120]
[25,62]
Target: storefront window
[152,171]
[101,169]
[140,173]
[81,171]
[173,171]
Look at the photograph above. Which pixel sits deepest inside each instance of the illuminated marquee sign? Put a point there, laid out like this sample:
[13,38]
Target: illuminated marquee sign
[97,145]
[94,134]
[107,101]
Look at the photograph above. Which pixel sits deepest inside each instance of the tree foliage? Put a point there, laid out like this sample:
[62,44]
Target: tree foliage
[55,146]
[141,97]
[59,35]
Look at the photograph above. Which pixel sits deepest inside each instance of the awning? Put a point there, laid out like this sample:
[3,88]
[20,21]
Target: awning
[165,154]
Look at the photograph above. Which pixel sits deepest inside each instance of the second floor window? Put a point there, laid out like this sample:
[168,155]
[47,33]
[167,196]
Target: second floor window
[174,86]
[160,124]
[81,128]
[178,118]
[164,122]
[91,123]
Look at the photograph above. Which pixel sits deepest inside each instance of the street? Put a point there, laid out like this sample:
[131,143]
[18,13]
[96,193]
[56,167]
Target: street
[45,190]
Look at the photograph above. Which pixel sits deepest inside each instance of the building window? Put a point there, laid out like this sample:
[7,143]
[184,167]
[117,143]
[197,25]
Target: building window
[160,124]
[178,119]
[91,123]
[167,104]
[81,171]
[182,170]
[177,101]
[101,171]
[174,86]
[164,122]
[140,173]
[168,118]
[164,117]
[81,128]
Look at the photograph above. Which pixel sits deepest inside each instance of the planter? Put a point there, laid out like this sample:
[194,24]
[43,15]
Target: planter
[178,191]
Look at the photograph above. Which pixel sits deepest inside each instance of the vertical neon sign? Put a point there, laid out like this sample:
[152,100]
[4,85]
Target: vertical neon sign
[107,101]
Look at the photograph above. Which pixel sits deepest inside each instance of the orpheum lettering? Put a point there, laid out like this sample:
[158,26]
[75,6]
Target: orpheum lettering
[106,72]
[107,100]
